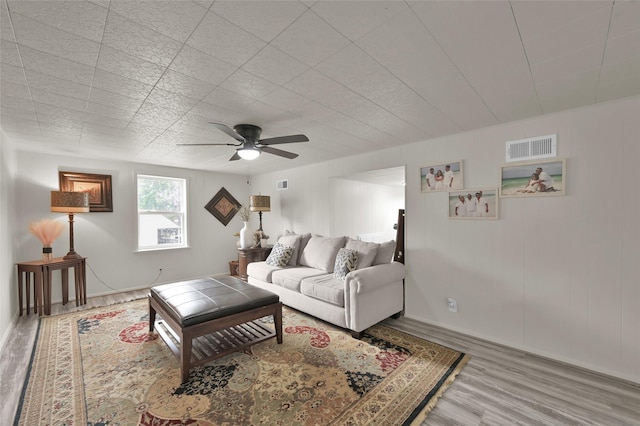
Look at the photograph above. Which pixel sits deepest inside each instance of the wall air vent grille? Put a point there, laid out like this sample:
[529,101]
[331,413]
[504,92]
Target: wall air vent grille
[282,185]
[532,148]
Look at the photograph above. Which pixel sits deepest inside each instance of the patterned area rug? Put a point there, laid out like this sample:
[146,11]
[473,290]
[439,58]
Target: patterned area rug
[101,367]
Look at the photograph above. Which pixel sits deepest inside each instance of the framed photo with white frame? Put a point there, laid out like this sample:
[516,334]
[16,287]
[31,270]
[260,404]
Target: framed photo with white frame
[480,203]
[441,177]
[534,178]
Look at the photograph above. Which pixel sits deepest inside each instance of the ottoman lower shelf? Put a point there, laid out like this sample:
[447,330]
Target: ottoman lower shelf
[217,343]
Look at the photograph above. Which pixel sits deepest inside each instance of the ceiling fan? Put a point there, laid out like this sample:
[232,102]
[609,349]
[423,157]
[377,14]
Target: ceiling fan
[248,137]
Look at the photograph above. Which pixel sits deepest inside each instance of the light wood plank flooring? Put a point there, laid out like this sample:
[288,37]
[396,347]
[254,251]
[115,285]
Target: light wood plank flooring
[499,385]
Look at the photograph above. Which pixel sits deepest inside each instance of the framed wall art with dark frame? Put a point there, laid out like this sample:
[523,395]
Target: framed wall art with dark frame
[480,203]
[223,206]
[441,177]
[534,178]
[97,186]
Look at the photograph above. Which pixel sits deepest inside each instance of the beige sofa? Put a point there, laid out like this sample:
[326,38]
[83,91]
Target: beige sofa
[371,290]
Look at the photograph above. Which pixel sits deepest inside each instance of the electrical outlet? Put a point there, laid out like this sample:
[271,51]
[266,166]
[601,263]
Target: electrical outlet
[453,305]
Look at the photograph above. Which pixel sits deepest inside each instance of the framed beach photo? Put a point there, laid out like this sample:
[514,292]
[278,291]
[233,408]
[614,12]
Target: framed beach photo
[480,203]
[441,177]
[534,178]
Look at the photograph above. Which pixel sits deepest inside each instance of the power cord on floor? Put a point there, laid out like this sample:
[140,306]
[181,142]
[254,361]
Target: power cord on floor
[115,289]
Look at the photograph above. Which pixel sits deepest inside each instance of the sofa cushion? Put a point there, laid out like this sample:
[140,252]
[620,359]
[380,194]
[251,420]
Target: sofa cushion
[385,253]
[346,261]
[304,239]
[290,277]
[366,251]
[324,287]
[321,252]
[261,271]
[292,241]
[280,255]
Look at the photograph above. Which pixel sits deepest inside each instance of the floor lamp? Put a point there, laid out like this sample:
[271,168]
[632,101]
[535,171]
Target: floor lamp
[70,203]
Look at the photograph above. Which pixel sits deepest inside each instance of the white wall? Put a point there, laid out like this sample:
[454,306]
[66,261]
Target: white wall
[364,208]
[556,276]
[108,240]
[8,287]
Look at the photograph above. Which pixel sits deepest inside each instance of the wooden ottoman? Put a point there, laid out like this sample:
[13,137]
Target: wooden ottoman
[207,318]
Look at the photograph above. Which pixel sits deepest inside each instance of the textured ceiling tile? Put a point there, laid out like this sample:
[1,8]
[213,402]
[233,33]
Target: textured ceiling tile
[171,100]
[55,42]
[540,18]
[95,127]
[55,99]
[13,74]
[57,85]
[586,29]
[284,99]
[15,102]
[10,54]
[248,85]
[6,29]
[619,80]
[56,66]
[275,66]
[120,116]
[82,18]
[155,115]
[197,64]
[354,19]
[267,19]
[183,84]
[228,99]
[568,93]
[626,16]
[576,62]
[622,48]
[124,34]
[204,112]
[115,100]
[163,16]
[7,111]
[121,85]
[227,42]
[129,66]
[15,89]
[310,39]
[313,85]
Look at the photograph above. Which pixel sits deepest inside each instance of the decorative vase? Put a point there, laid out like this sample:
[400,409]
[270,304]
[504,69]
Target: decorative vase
[246,236]
[47,253]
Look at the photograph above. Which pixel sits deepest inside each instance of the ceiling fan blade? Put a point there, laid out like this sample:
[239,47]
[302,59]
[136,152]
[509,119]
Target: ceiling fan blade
[284,139]
[279,152]
[208,144]
[228,130]
[235,157]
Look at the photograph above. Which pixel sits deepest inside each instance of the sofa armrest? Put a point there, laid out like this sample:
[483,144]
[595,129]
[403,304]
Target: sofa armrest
[374,277]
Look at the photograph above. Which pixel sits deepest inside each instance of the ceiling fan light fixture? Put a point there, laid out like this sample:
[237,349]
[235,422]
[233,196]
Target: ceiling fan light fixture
[248,153]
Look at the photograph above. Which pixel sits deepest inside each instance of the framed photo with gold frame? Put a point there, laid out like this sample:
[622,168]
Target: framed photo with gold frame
[442,177]
[223,206]
[98,187]
[480,203]
[536,178]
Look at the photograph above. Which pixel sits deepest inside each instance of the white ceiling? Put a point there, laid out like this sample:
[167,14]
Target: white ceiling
[131,79]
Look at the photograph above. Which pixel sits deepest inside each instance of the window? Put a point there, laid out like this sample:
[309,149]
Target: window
[162,212]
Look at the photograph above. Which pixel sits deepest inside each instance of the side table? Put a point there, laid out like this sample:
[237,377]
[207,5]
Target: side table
[42,271]
[246,256]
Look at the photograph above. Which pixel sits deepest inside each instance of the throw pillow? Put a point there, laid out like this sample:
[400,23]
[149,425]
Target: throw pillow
[320,252]
[346,261]
[304,239]
[366,251]
[292,241]
[385,253]
[280,255]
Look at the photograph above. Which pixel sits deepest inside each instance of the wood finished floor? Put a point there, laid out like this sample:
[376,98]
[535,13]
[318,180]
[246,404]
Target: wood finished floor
[499,385]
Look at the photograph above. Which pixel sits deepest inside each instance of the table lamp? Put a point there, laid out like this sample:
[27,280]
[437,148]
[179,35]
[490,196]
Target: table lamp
[70,203]
[260,203]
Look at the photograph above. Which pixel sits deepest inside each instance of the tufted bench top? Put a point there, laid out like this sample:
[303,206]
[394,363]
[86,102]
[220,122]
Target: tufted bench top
[204,299]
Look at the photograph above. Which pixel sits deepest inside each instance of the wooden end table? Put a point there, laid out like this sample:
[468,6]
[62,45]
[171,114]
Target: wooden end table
[246,256]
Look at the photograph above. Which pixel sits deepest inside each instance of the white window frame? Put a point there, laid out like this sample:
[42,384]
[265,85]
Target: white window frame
[183,213]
